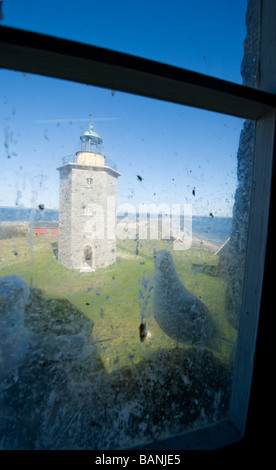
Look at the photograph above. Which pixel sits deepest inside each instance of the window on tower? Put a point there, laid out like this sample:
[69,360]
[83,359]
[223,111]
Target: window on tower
[89,182]
[88,210]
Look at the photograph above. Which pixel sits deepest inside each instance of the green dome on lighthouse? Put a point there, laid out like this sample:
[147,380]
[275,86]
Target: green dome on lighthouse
[91,141]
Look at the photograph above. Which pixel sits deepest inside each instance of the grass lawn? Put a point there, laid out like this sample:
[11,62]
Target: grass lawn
[117,297]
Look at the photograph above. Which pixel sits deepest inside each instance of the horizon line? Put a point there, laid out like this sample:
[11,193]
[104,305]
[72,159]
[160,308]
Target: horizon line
[134,214]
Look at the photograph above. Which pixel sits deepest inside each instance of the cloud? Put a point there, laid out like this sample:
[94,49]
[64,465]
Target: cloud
[70,120]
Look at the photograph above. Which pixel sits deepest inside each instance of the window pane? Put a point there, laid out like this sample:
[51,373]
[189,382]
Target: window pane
[114,342]
[205,37]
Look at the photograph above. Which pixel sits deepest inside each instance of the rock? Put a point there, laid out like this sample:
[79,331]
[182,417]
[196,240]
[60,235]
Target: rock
[179,313]
[52,407]
[59,329]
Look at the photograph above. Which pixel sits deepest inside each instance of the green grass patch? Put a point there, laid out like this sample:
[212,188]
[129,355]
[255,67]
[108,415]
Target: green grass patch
[110,296]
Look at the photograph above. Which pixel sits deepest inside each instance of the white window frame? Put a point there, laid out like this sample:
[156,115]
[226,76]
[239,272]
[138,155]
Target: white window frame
[69,60]
[89,182]
[89,211]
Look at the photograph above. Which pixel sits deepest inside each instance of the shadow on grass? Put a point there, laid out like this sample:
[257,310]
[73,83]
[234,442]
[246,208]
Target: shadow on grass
[55,249]
[62,398]
[64,406]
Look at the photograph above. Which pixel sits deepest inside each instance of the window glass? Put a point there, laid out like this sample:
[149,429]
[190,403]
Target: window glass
[205,37]
[117,327]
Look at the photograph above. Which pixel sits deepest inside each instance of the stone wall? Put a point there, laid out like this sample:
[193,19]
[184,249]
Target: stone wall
[65,208]
[238,239]
[85,193]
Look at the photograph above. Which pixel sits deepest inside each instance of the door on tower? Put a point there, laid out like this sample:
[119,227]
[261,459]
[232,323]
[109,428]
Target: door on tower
[88,258]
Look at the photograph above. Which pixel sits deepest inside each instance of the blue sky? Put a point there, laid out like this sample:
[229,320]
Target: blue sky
[174,148]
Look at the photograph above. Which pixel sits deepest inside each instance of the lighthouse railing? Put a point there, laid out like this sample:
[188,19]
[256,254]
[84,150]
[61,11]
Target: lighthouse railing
[110,163]
[73,159]
[69,159]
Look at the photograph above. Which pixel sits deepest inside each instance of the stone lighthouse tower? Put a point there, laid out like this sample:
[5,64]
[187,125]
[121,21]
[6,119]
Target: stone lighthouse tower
[87,207]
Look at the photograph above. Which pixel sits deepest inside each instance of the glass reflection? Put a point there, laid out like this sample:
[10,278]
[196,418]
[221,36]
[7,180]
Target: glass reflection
[118,334]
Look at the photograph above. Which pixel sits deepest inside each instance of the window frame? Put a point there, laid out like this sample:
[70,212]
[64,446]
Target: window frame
[45,55]
[89,182]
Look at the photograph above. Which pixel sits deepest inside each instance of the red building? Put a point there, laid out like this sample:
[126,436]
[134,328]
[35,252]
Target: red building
[45,227]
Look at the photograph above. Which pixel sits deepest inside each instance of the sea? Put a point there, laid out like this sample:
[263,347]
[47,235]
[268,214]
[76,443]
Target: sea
[22,214]
[217,229]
